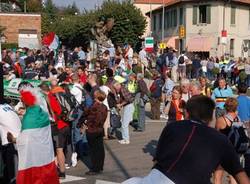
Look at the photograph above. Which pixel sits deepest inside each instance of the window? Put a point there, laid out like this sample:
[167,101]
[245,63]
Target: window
[154,22]
[165,20]
[232,47]
[249,17]
[160,22]
[202,14]
[181,22]
[174,18]
[233,15]
[168,20]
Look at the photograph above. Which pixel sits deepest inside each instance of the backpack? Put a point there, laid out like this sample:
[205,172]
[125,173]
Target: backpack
[156,88]
[68,106]
[87,101]
[238,136]
[181,60]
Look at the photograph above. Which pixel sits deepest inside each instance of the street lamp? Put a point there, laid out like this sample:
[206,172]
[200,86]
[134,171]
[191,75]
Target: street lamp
[2,40]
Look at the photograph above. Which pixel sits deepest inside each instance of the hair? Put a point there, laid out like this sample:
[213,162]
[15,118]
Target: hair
[66,88]
[109,72]
[184,82]
[196,84]
[177,88]
[231,104]
[44,86]
[242,88]
[99,95]
[75,78]
[200,108]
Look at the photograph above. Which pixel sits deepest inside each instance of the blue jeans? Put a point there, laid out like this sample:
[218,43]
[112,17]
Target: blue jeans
[75,132]
[126,118]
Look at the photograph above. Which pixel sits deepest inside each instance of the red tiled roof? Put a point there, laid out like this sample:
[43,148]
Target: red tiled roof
[171,2]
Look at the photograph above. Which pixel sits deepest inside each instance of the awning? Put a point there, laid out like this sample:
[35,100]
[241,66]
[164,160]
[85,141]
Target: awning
[171,41]
[199,44]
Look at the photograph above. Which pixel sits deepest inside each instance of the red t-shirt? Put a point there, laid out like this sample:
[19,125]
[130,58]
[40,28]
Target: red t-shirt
[83,78]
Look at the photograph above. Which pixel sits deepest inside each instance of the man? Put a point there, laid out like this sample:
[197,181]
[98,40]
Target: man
[63,134]
[92,81]
[143,93]
[185,86]
[156,93]
[244,114]
[125,103]
[220,95]
[182,65]
[244,103]
[196,66]
[9,122]
[191,145]
[81,56]
[195,88]
[76,90]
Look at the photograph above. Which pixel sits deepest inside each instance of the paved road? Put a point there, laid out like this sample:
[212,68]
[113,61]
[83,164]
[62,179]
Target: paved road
[122,161]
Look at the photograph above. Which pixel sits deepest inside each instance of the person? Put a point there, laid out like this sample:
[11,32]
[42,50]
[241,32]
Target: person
[9,122]
[143,93]
[36,162]
[205,89]
[220,95]
[95,117]
[193,138]
[195,88]
[125,104]
[223,124]
[182,59]
[175,107]
[196,63]
[247,70]
[63,131]
[167,87]
[92,81]
[210,67]
[76,91]
[81,56]
[60,60]
[185,86]
[106,90]
[155,97]
[244,103]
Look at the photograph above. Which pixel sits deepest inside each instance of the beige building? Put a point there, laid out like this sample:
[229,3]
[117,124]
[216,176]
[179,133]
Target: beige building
[203,22]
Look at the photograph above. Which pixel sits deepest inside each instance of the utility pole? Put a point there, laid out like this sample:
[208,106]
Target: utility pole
[163,20]
[150,18]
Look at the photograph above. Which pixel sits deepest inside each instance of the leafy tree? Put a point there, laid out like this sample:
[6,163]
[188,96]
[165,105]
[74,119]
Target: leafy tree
[2,30]
[34,6]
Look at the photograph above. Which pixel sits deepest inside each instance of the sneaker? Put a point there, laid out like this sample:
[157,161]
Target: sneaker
[124,142]
[61,175]
[67,166]
[74,159]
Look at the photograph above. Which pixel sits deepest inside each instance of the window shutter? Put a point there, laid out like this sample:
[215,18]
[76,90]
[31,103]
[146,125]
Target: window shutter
[195,8]
[208,16]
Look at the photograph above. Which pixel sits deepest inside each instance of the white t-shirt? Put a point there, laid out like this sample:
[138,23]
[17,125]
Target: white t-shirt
[185,59]
[130,53]
[106,90]
[77,92]
[9,122]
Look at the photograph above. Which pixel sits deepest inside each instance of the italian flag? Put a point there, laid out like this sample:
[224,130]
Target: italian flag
[35,149]
[51,40]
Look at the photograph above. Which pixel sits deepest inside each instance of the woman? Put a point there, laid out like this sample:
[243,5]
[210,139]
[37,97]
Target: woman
[95,118]
[206,91]
[174,108]
[223,124]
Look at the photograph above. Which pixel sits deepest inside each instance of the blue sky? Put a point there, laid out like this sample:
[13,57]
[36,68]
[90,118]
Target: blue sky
[81,4]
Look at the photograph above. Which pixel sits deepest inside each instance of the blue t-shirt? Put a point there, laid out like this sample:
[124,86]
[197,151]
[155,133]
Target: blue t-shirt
[244,107]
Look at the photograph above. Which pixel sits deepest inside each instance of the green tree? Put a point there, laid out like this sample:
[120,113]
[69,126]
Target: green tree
[2,30]
[34,6]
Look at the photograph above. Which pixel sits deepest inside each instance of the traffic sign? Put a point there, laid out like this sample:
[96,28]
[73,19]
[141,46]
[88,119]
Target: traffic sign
[163,45]
[182,31]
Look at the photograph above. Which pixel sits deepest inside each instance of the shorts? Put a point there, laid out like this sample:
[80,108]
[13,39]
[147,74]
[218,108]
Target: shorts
[62,139]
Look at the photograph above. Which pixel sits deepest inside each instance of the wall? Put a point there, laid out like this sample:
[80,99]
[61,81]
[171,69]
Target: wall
[14,22]
[145,8]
